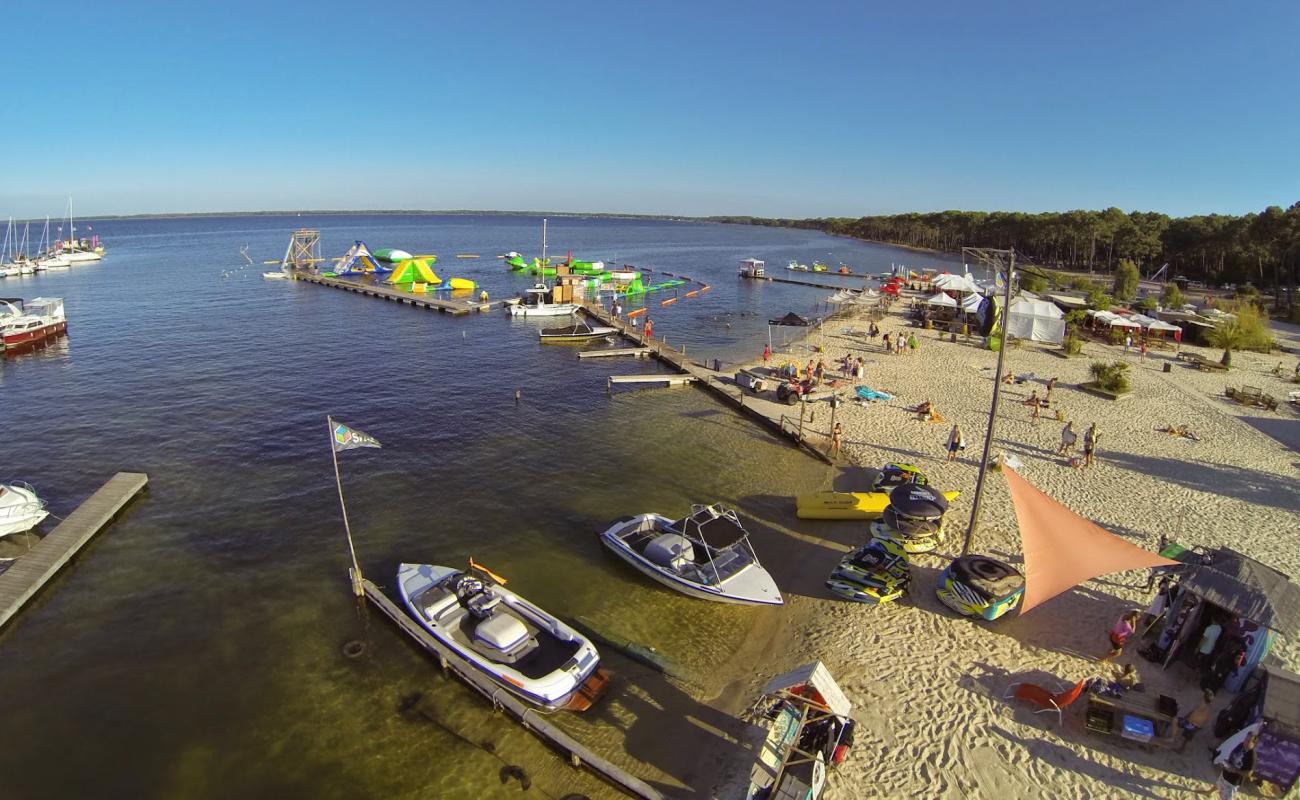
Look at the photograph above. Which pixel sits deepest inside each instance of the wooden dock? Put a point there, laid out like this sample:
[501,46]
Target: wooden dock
[636,352]
[813,284]
[714,381]
[448,305]
[29,573]
[659,378]
[576,753]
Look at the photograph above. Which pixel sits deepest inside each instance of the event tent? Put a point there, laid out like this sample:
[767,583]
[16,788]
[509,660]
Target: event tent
[1113,320]
[941,300]
[971,303]
[1037,321]
[955,283]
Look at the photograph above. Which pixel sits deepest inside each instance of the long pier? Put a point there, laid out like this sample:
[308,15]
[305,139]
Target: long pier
[716,382]
[577,753]
[29,573]
[456,306]
[812,284]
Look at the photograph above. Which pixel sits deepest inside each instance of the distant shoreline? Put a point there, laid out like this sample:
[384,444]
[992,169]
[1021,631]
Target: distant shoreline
[395,213]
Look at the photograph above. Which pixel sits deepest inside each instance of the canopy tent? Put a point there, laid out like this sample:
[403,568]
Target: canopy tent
[1161,325]
[418,269]
[955,283]
[941,300]
[790,320]
[971,303]
[1036,320]
[358,259]
[1062,549]
[1113,320]
[1066,301]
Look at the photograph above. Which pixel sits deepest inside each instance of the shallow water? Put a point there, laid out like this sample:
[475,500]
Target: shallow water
[194,648]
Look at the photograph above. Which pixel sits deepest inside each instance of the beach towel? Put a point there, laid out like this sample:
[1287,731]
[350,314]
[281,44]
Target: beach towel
[869,394]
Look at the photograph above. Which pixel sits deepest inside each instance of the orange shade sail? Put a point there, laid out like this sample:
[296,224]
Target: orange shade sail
[1062,549]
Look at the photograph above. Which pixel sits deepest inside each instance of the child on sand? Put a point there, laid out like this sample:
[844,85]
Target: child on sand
[1034,403]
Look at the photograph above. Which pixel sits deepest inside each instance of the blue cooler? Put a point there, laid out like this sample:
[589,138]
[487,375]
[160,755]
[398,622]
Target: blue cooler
[1139,729]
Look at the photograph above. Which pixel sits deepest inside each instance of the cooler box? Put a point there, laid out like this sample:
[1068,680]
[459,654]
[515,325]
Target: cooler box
[1139,729]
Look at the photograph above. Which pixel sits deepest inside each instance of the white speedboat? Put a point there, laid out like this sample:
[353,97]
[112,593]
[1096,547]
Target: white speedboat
[20,508]
[706,555]
[525,650]
[276,276]
[536,303]
[580,331]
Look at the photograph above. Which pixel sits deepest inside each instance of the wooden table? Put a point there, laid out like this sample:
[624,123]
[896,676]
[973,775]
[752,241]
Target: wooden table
[1135,704]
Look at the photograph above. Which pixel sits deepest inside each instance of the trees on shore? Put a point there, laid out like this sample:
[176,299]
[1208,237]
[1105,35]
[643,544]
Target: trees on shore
[1261,248]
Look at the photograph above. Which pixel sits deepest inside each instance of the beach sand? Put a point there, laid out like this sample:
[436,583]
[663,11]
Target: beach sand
[926,684]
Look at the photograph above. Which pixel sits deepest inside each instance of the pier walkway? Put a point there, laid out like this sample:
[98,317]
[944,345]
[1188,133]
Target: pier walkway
[783,420]
[449,305]
[30,572]
[814,284]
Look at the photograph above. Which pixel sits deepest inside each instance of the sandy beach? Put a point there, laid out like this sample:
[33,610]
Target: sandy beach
[926,684]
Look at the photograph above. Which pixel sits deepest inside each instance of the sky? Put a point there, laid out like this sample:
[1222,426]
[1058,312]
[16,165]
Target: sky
[680,108]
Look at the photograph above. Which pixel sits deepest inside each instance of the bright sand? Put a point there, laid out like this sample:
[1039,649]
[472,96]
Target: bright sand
[927,685]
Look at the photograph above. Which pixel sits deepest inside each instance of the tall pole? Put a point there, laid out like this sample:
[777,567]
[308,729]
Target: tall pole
[993,409]
[355,572]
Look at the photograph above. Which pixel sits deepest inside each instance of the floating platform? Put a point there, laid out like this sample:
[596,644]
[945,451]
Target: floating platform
[635,352]
[456,306]
[532,719]
[663,378]
[30,572]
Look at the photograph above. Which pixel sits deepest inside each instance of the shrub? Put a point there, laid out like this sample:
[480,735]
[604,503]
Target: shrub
[1080,283]
[1112,377]
[1099,300]
[1031,282]
[1246,331]
[1247,290]
[1147,304]
[1072,344]
[1172,296]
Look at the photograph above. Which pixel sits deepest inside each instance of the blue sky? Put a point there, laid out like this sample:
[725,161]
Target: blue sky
[775,109]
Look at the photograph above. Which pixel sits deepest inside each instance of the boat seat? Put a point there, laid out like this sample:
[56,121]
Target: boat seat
[481,604]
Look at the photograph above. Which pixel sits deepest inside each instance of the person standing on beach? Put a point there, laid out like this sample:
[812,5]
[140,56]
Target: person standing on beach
[1034,403]
[1128,342]
[819,372]
[1068,438]
[859,369]
[955,442]
[899,343]
[1142,350]
[1119,635]
[1235,767]
[767,352]
[911,342]
[888,347]
[1047,396]
[809,370]
[1090,439]
[837,435]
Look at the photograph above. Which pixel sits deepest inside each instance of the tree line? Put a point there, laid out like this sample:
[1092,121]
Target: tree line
[1262,249]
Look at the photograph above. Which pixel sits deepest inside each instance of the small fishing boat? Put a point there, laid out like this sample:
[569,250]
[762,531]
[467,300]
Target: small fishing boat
[278,275]
[579,331]
[809,734]
[529,652]
[41,317]
[536,303]
[706,555]
[20,508]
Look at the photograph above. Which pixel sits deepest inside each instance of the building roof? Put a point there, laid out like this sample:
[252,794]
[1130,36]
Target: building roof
[1250,589]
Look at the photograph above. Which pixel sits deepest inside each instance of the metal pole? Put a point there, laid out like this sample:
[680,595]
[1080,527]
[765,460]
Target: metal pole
[993,410]
[355,572]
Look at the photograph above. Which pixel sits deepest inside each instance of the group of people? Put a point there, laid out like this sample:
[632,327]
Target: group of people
[899,342]
[1069,437]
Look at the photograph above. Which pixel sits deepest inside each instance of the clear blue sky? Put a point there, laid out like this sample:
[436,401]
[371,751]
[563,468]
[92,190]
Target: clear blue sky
[776,109]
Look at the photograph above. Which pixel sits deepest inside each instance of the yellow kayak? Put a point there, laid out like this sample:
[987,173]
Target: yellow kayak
[847,505]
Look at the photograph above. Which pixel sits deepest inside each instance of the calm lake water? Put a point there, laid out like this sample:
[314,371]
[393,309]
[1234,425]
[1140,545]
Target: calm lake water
[193,650]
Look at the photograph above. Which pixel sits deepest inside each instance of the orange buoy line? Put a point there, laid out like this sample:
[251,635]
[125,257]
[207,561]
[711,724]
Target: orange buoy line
[669,301]
[692,293]
[635,313]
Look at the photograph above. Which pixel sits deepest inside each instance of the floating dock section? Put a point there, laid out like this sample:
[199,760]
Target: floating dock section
[29,573]
[576,753]
[448,305]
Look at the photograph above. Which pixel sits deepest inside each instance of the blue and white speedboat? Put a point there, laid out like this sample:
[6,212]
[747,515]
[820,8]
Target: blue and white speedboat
[524,649]
[706,555]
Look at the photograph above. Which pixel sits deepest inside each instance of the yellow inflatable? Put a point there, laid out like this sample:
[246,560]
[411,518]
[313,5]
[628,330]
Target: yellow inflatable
[847,505]
[461,283]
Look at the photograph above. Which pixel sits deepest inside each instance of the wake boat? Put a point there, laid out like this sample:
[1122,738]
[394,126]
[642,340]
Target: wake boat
[41,317]
[536,303]
[525,650]
[689,555]
[579,332]
[20,508]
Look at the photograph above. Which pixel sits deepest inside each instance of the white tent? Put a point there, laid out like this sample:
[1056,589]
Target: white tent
[971,303]
[941,299]
[1037,321]
[955,283]
[1113,320]
[1161,325]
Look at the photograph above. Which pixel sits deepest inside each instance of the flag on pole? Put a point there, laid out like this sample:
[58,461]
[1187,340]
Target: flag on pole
[346,438]
[998,280]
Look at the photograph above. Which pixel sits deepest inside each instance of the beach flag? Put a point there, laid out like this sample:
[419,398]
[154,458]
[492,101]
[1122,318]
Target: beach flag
[346,438]
[1062,549]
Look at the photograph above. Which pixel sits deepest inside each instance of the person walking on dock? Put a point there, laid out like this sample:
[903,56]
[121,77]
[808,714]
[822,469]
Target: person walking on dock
[649,329]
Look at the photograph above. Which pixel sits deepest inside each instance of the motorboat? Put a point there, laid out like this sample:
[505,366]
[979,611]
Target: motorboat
[795,265]
[819,267]
[536,303]
[20,508]
[278,275]
[752,268]
[809,733]
[528,652]
[40,318]
[580,331]
[877,572]
[705,555]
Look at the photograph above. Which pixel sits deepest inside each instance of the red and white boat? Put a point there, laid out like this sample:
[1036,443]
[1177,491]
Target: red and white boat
[40,318]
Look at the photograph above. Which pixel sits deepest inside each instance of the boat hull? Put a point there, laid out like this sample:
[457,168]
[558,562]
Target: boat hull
[20,509]
[548,310]
[81,256]
[35,334]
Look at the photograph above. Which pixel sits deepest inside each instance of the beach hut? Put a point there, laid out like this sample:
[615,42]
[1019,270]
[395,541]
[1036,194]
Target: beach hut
[1036,320]
[1220,585]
